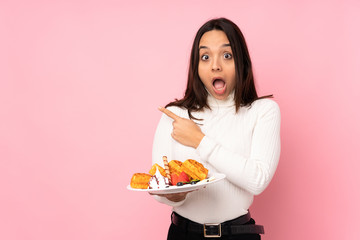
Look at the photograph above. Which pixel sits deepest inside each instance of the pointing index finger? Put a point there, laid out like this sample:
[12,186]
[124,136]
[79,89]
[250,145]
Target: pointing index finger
[169,113]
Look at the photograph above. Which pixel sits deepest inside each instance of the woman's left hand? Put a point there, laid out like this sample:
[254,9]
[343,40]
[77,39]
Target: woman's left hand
[174,197]
[185,131]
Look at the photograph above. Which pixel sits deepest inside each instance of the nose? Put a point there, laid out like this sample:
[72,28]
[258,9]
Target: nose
[216,65]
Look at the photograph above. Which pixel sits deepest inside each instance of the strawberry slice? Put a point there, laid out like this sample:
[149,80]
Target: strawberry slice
[183,177]
[174,179]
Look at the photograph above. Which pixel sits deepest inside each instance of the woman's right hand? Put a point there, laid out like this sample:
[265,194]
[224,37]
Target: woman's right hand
[185,131]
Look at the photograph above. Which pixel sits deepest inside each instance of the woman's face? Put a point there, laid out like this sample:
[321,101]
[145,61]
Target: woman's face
[216,64]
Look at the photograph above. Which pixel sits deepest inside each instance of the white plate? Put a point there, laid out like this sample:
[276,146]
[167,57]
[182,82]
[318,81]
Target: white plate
[185,188]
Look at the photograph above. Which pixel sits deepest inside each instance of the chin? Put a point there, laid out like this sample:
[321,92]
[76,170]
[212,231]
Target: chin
[220,97]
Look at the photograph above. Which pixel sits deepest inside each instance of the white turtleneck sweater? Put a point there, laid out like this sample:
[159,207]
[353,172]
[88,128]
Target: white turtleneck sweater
[245,146]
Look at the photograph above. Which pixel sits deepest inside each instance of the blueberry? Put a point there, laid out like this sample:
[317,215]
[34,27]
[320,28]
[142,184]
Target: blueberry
[194,182]
[179,184]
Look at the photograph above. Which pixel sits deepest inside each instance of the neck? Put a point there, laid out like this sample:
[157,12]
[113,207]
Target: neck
[216,103]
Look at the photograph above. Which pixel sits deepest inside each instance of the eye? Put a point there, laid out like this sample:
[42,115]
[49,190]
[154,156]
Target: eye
[204,57]
[227,56]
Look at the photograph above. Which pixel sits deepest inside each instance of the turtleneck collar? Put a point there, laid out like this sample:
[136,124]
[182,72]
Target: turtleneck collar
[215,103]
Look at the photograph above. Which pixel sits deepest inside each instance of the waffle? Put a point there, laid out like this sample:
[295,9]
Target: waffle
[175,167]
[140,180]
[194,169]
[161,170]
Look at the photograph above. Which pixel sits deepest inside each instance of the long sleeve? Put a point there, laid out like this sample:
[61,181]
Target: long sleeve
[252,173]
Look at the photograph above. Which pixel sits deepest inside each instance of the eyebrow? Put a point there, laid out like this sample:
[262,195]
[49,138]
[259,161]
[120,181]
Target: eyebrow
[224,45]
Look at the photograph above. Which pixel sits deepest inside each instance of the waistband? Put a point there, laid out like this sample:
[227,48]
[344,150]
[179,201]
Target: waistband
[241,225]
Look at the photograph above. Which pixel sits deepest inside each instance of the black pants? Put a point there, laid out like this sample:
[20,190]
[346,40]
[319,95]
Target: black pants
[177,233]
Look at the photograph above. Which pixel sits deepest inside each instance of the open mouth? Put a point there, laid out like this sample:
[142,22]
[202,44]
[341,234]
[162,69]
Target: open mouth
[219,86]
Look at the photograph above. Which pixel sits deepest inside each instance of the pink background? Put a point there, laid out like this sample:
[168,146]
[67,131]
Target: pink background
[80,82]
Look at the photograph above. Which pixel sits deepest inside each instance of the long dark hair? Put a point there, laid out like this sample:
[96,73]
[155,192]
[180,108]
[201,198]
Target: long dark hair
[195,98]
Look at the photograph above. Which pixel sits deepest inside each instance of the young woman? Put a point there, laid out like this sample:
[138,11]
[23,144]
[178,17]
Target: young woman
[222,123]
